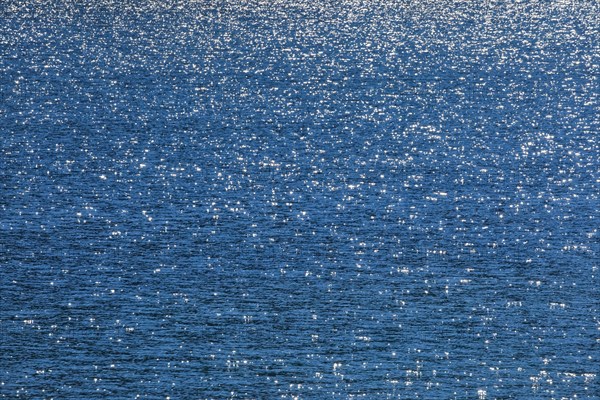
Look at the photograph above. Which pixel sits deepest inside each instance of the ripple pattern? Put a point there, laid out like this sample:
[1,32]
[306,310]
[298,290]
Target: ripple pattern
[260,199]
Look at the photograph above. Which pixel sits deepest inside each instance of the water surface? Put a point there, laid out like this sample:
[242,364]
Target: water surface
[330,199]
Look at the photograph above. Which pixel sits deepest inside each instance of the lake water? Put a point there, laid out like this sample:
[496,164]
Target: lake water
[299,200]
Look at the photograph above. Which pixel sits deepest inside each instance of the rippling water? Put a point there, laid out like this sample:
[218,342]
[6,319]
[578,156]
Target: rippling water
[285,199]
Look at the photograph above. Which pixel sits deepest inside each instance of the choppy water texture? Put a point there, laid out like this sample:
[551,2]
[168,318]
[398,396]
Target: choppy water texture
[283,199]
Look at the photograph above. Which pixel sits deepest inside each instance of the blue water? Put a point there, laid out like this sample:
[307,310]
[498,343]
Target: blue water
[313,200]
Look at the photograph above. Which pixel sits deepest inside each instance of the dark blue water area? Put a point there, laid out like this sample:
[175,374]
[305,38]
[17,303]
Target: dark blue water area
[299,200]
